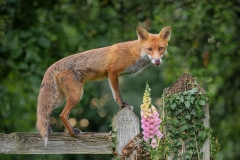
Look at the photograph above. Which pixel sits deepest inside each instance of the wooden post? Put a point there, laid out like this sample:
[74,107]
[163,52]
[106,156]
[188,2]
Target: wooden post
[181,85]
[206,146]
[126,123]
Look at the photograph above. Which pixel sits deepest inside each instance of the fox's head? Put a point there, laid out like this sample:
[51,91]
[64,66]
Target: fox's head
[154,45]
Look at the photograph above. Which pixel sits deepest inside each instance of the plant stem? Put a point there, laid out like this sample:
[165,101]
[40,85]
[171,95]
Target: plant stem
[163,131]
[163,108]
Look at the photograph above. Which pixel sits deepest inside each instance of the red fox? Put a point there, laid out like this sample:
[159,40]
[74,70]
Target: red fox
[64,80]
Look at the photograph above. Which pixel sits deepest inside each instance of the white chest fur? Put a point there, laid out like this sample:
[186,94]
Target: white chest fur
[138,66]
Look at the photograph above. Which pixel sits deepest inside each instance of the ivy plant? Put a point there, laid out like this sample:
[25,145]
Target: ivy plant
[183,122]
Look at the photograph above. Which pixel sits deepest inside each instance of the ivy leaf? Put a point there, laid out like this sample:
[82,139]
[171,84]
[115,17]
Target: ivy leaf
[175,123]
[202,103]
[204,136]
[201,154]
[180,110]
[178,144]
[200,112]
[183,128]
[188,117]
[183,135]
[192,99]
[193,112]
[113,135]
[180,97]
[194,90]
[113,145]
[171,100]
[187,157]
[173,106]
[187,103]
[188,97]
[178,102]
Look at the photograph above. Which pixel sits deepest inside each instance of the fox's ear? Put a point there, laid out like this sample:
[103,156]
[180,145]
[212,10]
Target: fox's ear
[165,33]
[142,33]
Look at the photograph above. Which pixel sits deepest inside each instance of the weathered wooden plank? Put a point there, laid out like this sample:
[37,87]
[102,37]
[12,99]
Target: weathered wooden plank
[127,125]
[59,143]
[206,146]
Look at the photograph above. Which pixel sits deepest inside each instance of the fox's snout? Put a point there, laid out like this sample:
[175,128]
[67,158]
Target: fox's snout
[157,62]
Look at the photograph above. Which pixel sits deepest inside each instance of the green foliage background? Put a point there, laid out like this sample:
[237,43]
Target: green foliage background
[205,42]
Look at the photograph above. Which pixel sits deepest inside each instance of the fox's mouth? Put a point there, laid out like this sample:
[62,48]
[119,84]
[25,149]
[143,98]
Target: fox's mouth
[157,62]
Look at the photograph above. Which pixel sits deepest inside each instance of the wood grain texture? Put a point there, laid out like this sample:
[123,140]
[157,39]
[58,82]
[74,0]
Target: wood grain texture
[59,143]
[127,125]
[206,146]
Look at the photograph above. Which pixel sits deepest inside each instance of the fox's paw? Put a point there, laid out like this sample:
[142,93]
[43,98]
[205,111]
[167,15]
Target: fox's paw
[125,104]
[77,132]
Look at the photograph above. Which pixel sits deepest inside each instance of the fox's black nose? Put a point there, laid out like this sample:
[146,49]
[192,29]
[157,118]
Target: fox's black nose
[157,62]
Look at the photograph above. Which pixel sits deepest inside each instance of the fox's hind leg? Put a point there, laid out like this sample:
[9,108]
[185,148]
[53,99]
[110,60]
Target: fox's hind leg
[71,103]
[73,90]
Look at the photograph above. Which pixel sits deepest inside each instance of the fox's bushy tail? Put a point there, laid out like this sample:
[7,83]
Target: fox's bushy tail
[46,103]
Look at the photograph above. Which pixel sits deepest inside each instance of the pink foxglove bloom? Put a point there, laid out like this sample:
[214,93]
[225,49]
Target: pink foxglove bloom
[154,143]
[150,120]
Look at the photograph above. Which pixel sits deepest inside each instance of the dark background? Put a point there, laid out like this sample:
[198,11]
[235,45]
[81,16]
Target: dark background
[205,42]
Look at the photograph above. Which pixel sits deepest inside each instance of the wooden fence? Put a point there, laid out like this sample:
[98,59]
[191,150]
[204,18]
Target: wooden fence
[125,122]
[126,126]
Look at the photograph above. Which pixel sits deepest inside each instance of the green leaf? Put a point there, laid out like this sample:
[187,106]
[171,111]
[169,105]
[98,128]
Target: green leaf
[194,90]
[188,117]
[204,136]
[187,103]
[187,157]
[178,102]
[182,121]
[183,136]
[113,145]
[193,112]
[180,110]
[171,99]
[179,97]
[202,103]
[179,144]
[192,99]
[173,106]
[175,123]
[183,128]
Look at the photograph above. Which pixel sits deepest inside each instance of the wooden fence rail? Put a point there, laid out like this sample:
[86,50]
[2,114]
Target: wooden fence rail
[125,122]
[59,143]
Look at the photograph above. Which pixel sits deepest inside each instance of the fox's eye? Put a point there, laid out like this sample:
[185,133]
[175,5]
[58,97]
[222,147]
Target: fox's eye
[150,49]
[161,48]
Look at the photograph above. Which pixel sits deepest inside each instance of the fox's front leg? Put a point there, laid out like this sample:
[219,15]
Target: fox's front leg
[113,81]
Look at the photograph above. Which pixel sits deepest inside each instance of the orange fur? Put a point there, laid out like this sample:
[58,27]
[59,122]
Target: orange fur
[64,80]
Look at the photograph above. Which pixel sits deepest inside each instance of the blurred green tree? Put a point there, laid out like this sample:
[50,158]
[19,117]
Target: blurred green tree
[204,42]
